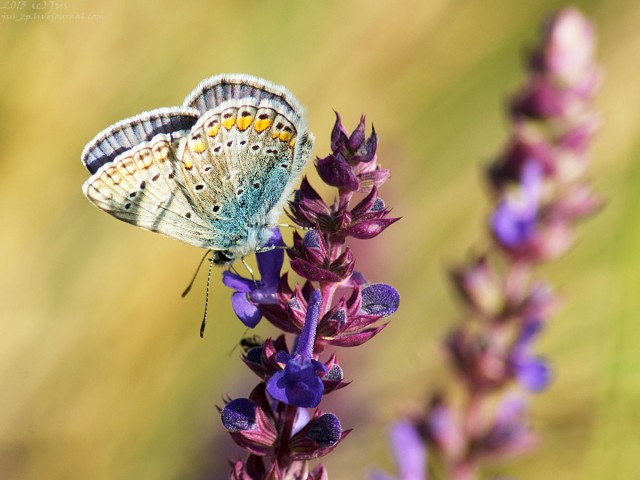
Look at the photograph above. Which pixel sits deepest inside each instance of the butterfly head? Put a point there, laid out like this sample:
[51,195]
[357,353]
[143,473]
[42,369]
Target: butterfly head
[224,257]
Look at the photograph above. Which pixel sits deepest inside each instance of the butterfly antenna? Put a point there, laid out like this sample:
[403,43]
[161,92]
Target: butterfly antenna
[206,299]
[188,289]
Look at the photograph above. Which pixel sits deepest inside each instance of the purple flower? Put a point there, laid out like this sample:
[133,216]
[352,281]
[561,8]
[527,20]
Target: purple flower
[479,286]
[312,259]
[509,434]
[570,46]
[409,452]
[299,383]
[515,221]
[532,372]
[318,437]
[507,168]
[336,171]
[367,217]
[251,422]
[442,428]
[248,292]
[350,322]
[239,415]
[355,148]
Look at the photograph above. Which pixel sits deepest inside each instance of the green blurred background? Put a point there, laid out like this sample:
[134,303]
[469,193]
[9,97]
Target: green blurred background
[103,374]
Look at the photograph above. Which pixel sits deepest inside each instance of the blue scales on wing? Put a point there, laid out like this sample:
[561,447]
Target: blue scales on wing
[244,156]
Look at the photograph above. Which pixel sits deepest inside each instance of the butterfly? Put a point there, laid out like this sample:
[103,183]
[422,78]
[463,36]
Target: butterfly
[213,173]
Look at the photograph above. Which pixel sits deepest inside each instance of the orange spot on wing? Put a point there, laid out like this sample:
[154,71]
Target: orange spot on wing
[244,122]
[262,125]
[285,136]
[213,131]
[229,122]
[198,146]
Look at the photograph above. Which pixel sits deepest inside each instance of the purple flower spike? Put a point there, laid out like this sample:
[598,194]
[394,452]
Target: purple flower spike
[539,192]
[248,292]
[299,383]
[333,305]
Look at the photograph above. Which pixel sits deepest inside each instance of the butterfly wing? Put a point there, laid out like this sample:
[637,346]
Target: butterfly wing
[136,175]
[244,155]
[214,173]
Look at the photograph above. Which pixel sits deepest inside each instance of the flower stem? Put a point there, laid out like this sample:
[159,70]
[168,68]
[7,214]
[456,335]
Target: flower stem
[288,419]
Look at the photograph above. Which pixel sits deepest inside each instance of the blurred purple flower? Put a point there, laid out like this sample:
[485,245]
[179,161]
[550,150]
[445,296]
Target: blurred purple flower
[532,372]
[409,452]
[509,433]
[515,221]
[250,292]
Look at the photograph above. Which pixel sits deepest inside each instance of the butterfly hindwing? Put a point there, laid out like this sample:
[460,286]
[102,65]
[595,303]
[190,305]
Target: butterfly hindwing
[143,184]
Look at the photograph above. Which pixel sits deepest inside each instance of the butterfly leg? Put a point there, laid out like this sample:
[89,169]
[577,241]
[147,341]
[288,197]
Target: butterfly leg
[288,225]
[253,277]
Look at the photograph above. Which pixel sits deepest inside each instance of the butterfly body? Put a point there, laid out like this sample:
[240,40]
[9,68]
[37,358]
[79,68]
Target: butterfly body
[214,173]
